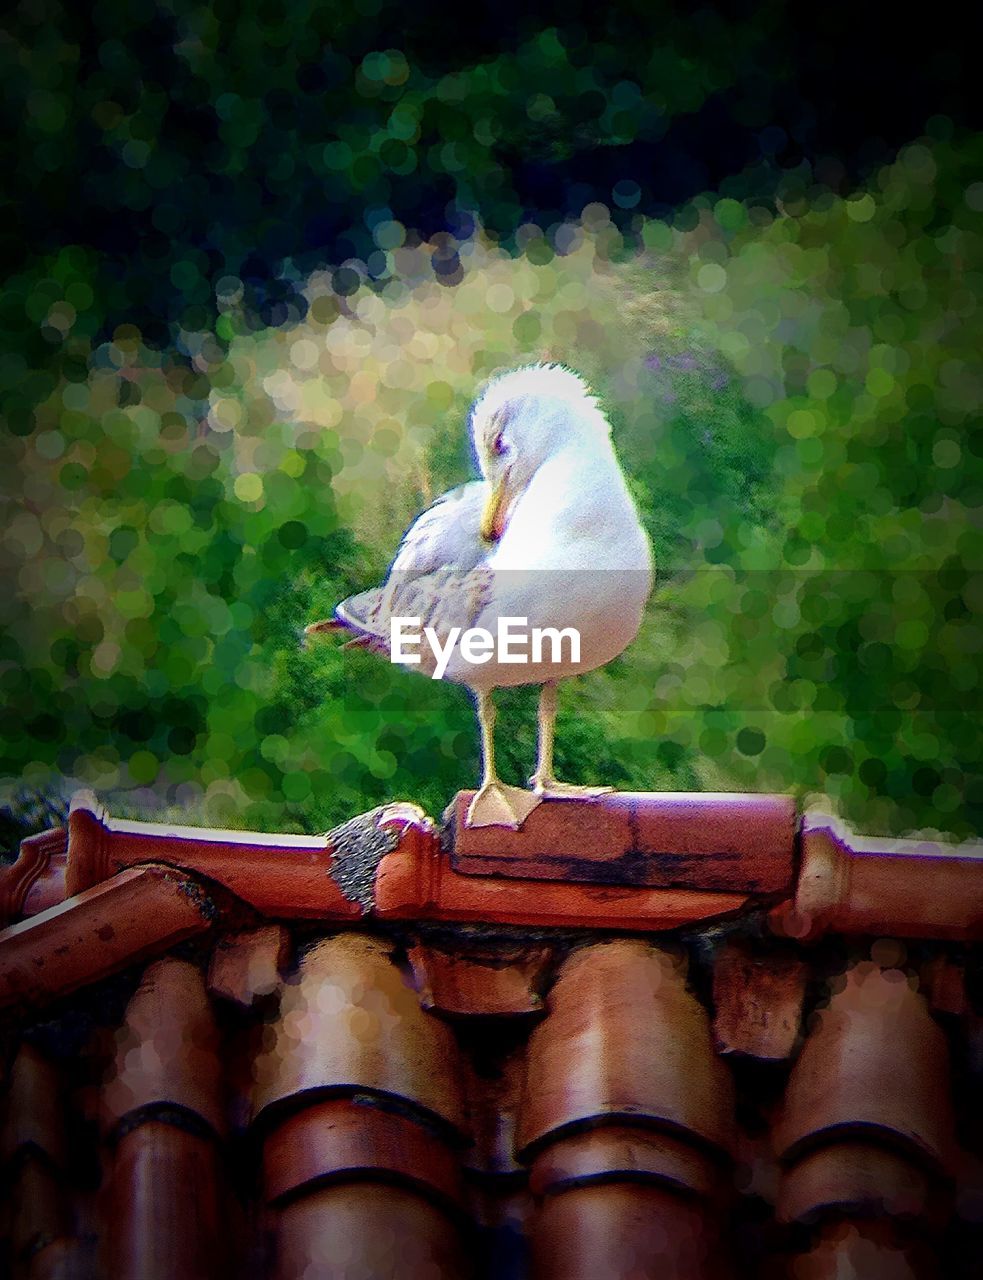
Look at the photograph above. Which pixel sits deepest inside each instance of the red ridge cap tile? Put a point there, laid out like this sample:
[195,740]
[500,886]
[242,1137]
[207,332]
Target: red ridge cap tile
[454,983]
[48,889]
[875,1062]
[367,1229]
[717,842]
[278,875]
[247,965]
[99,932]
[344,1139]
[757,997]
[850,883]
[854,1179]
[32,1109]
[167,1048]
[623,1231]
[300,877]
[627,1153]
[164,1218]
[417,882]
[625,1040]
[350,1023]
[34,857]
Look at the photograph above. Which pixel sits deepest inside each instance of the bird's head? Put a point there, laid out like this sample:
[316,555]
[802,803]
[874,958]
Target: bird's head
[520,420]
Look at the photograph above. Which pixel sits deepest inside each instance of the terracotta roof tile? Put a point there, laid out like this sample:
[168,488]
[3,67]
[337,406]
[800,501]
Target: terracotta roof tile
[36,1212]
[352,1023]
[864,1251]
[351,1139]
[100,931]
[502,981]
[617,1152]
[163,1209]
[623,1231]
[876,1065]
[422,885]
[906,888]
[36,879]
[624,1040]
[247,965]
[493,1098]
[366,1230]
[478,1076]
[167,1051]
[722,843]
[33,1118]
[279,875]
[757,996]
[37,1208]
[855,1179]
[943,981]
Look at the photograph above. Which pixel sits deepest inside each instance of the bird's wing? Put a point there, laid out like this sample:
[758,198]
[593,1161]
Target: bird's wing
[447,535]
[438,574]
[444,599]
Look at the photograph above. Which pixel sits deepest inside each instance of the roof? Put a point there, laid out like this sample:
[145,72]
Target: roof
[651,1035]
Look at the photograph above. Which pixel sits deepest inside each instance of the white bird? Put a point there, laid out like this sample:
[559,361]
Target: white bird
[549,536]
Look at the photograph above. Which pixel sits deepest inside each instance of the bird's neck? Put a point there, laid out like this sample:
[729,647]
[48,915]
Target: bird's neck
[577,498]
[569,480]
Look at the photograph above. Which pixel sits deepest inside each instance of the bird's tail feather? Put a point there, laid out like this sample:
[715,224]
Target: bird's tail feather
[353,617]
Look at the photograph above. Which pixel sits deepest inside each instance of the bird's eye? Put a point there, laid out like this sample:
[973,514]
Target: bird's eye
[499,445]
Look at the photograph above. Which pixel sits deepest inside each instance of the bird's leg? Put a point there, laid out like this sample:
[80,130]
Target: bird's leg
[495,804]
[542,781]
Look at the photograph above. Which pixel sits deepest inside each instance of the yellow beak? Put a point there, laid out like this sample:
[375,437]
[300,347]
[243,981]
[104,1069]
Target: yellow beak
[493,516]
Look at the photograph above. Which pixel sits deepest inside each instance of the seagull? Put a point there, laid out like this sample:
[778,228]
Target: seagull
[549,537]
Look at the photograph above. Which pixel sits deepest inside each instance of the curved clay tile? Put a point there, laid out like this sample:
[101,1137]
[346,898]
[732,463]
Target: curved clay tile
[135,914]
[349,1023]
[853,1178]
[493,1106]
[33,1116]
[624,1039]
[757,1000]
[37,1207]
[246,966]
[167,1048]
[344,1140]
[943,981]
[621,1231]
[36,879]
[366,1230]
[851,883]
[875,1063]
[63,1259]
[461,984]
[863,1251]
[624,1153]
[163,1213]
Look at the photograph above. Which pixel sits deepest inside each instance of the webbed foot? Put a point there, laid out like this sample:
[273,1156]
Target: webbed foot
[551,789]
[498,805]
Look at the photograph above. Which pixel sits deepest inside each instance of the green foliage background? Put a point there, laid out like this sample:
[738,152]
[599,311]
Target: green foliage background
[794,385]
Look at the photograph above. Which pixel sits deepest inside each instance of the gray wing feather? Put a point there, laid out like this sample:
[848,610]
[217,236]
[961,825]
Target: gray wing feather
[436,574]
[447,535]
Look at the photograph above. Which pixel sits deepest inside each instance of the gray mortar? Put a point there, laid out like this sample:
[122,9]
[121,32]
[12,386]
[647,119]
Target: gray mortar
[358,846]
